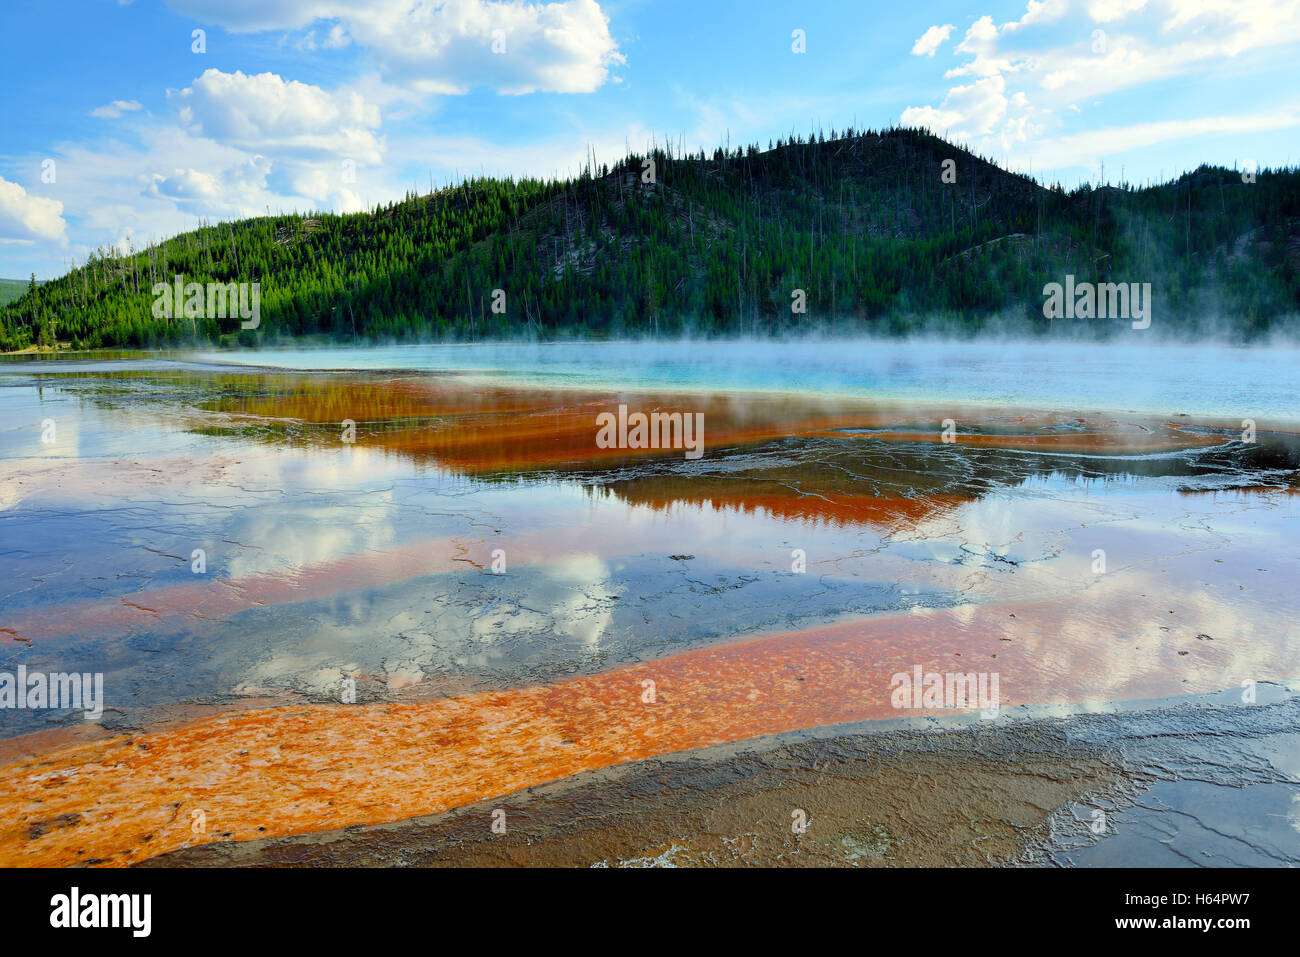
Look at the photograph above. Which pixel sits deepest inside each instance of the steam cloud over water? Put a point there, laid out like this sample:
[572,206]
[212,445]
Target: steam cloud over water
[1208,380]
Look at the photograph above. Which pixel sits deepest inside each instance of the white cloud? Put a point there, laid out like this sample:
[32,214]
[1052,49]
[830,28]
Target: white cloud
[115,109]
[229,190]
[931,40]
[1080,149]
[1108,11]
[1041,11]
[171,177]
[335,39]
[980,36]
[980,43]
[1235,26]
[966,112]
[264,113]
[448,47]
[186,185]
[25,218]
[1025,89]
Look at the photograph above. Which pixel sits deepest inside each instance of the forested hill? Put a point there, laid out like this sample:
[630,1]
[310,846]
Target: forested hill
[864,229]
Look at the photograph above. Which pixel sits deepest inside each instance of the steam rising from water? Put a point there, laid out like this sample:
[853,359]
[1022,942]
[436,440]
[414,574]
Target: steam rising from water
[1208,380]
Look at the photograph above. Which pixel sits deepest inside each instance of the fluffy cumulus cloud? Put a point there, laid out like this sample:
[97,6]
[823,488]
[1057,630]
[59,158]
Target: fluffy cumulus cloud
[231,146]
[931,40]
[1027,83]
[510,46]
[25,218]
[967,112]
[266,113]
[981,45]
[256,142]
[224,189]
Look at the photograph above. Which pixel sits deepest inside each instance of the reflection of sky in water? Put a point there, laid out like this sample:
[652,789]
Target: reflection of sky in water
[116,506]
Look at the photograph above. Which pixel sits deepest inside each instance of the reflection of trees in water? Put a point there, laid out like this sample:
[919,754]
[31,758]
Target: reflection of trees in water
[884,483]
[806,459]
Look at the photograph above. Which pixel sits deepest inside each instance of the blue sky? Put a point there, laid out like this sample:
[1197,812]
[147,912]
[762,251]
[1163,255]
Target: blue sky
[119,132]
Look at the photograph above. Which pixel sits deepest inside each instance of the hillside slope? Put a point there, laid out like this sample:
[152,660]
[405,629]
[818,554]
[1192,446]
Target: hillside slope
[862,228]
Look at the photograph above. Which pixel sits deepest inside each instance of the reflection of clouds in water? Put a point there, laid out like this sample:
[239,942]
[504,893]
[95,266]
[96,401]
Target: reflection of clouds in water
[67,438]
[298,507]
[1121,631]
[289,530]
[506,621]
[574,616]
[207,472]
[309,533]
[466,622]
[10,493]
[978,550]
[327,681]
[1106,629]
[580,578]
[22,422]
[1199,558]
[298,673]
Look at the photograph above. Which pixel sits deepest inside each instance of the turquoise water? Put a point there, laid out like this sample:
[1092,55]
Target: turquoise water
[1219,381]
